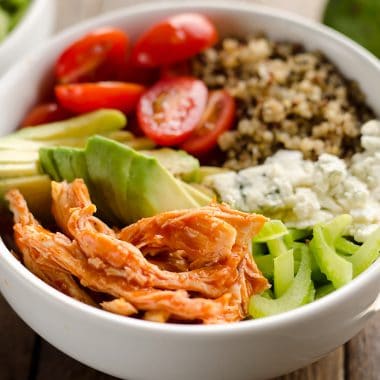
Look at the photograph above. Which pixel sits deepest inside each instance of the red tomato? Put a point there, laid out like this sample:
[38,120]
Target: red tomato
[87,97]
[170,110]
[174,39]
[177,69]
[100,55]
[45,113]
[218,117]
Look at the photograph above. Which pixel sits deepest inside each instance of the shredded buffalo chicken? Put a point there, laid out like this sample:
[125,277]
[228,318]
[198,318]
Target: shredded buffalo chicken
[186,265]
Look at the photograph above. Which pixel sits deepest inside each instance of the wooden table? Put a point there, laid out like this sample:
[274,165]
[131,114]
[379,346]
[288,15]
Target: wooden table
[25,356]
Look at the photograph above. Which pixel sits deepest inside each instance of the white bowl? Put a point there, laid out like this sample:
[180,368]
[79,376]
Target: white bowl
[35,26]
[136,349]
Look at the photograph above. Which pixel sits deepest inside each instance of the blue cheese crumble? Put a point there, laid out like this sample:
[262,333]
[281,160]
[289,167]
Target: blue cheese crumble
[302,193]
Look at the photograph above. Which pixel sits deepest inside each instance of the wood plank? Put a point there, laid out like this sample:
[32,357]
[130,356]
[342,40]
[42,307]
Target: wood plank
[363,353]
[73,11]
[16,347]
[330,367]
[55,365]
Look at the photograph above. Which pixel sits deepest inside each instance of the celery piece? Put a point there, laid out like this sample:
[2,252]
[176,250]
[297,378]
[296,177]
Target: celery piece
[311,294]
[273,229]
[288,240]
[336,227]
[259,249]
[297,234]
[316,274]
[345,247]
[277,247]
[324,291]
[298,294]
[336,268]
[366,254]
[268,294]
[265,264]
[283,272]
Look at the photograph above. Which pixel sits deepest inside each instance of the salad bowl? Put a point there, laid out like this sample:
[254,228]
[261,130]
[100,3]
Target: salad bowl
[135,349]
[35,26]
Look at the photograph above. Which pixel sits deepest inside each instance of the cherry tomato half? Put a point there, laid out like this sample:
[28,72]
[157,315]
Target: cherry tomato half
[100,55]
[218,117]
[174,39]
[45,113]
[170,110]
[87,97]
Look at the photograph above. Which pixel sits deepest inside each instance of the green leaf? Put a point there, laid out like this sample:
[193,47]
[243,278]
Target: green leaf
[358,19]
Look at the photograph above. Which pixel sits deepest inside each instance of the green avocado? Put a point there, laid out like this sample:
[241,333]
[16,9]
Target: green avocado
[102,121]
[12,157]
[134,185]
[35,189]
[22,169]
[178,162]
[125,184]
[47,163]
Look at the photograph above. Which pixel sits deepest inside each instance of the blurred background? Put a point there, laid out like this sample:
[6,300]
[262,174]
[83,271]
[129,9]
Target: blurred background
[359,19]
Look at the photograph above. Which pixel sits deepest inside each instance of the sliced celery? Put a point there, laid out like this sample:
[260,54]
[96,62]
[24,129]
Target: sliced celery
[324,291]
[336,268]
[259,249]
[366,254]
[297,234]
[273,229]
[336,227]
[265,264]
[277,247]
[283,272]
[299,293]
[316,274]
[345,247]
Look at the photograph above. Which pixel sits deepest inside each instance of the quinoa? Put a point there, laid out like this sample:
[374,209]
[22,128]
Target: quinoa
[286,97]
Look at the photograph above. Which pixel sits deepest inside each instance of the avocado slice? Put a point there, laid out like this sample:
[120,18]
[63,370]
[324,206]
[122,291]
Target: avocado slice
[62,159]
[35,189]
[178,162]
[22,169]
[102,121]
[205,171]
[108,174]
[124,184]
[200,197]
[47,163]
[10,142]
[10,156]
[134,185]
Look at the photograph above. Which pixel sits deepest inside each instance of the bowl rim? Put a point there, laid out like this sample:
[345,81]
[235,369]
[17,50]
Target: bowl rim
[339,296]
[31,13]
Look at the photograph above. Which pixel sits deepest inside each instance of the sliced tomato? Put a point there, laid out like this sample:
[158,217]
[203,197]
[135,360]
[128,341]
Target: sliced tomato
[178,69]
[170,110]
[174,39]
[45,113]
[142,75]
[87,97]
[98,56]
[218,118]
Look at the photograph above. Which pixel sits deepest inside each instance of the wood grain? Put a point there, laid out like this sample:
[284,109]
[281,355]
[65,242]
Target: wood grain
[16,345]
[363,353]
[330,367]
[54,365]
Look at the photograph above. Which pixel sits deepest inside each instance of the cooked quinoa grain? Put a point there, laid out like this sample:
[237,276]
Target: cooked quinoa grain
[286,98]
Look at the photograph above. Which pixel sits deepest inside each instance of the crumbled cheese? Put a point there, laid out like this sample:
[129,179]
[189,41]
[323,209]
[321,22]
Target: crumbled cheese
[303,193]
